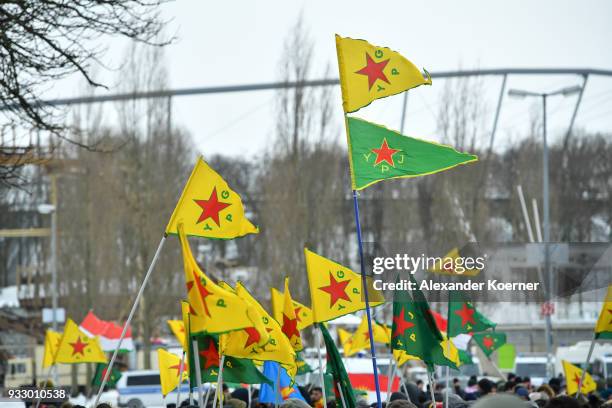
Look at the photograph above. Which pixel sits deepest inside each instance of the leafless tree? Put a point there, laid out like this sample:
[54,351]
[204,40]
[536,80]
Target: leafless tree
[45,41]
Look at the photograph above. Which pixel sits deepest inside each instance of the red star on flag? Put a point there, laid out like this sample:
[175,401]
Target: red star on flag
[297,313]
[466,314]
[576,378]
[211,208]
[254,336]
[211,354]
[610,311]
[177,367]
[401,324]
[202,291]
[374,70]
[78,347]
[290,327]
[385,154]
[488,342]
[336,290]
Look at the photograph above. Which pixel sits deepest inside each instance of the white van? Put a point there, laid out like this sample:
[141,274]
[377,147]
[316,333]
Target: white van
[141,388]
[533,367]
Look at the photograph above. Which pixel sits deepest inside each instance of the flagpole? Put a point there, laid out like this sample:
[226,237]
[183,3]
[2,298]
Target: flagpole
[129,319]
[390,373]
[178,394]
[249,397]
[47,378]
[365,294]
[341,396]
[196,360]
[219,381]
[496,368]
[586,367]
[321,366]
[448,350]
[207,395]
[431,387]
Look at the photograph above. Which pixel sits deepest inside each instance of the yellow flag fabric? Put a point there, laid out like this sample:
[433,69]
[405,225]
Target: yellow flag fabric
[52,341]
[213,309]
[401,357]
[178,329]
[267,344]
[360,340]
[303,313]
[290,321]
[572,379]
[450,265]
[451,351]
[335,290]
[209,208]
[76,347]
[344,336]
[169,371]
[368,72]
[603,329]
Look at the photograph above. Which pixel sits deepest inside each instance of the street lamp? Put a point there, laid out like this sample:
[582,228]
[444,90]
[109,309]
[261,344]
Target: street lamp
[521,94]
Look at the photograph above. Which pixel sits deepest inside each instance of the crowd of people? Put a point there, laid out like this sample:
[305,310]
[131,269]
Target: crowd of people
[514,392]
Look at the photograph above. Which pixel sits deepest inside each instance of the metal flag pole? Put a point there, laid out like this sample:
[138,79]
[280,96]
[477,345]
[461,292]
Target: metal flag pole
[207,395]
[198,373]
[586,367]
[249,397]
[367,302]
[129,319]
[178,393]
[431,387]
[341,395]
[390,375]
[448,351]
[322,375]
[219,382]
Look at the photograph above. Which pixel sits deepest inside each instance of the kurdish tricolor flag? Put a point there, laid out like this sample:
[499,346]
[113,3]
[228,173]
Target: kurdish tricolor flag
[377,153]
[209,208]
[368,72]
[108,333]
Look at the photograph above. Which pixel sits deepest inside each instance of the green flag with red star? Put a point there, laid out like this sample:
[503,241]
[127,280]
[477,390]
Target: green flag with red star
[377,153]
[463,316]
[489,342]
[101,368]
[236,370]
[414,330]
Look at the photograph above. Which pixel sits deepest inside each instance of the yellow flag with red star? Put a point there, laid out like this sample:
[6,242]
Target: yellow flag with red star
[289,321]
[209,208]
[170,370]
[251,344]
[52,341]
[335,290]
[213,309]
[572,379]
[76,347]
[603,329]
[369,72]
[177,327]
[302,313]
[360,340]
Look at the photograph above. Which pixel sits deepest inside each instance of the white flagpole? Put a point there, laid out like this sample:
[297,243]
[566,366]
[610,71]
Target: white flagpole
[198,372]
[249,397]
[431,388]
[341,396]
[586,367]
[129,319]
[390,373]
[322,375]
[219,381]
[181,367]
[207,395]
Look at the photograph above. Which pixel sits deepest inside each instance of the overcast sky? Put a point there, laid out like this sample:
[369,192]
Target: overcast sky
[238,42]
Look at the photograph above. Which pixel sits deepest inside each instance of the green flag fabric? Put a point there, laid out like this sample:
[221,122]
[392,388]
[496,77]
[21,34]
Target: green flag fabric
[489,342]
[236,370]
[114,376]
[335,368]
[465,357]
[302,365]
[414,329]
[463,316]
[377,153]
[506,356]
